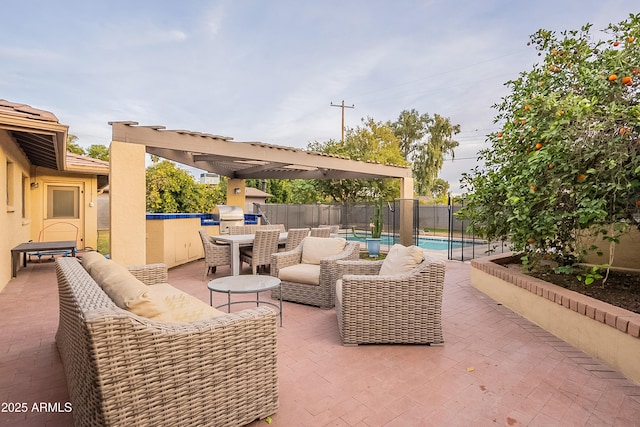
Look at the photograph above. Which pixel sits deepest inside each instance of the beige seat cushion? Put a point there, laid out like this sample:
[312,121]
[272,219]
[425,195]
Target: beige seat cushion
[161,302]
[401,259]
[308,274]
[179,306]
[316,248]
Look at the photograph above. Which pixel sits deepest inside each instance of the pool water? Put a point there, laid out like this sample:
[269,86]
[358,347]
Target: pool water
[432,243]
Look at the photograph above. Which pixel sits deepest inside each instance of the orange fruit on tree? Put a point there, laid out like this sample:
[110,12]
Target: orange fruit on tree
[531,240]
[626,80]
[527,107]
[551,166]
[630,39]
[538,146]
[613,77]
[624,131]
[581,177]
[533,188]
[616,43]
[499,134]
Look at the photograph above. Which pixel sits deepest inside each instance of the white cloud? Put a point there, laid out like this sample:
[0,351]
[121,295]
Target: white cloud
[267,71]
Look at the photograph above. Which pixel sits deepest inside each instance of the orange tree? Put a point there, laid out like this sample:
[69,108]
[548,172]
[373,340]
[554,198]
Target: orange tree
[565,162]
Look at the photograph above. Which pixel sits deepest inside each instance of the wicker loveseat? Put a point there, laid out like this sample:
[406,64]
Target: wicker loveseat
[397,303]
[123,369]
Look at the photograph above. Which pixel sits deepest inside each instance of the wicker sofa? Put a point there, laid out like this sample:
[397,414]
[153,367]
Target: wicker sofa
[123,369]
[385,304]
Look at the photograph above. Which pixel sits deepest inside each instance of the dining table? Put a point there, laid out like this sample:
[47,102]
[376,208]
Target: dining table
[239,240]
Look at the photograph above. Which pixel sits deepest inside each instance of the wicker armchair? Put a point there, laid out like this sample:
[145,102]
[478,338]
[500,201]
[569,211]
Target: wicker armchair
[265,244]
[321,294]
[214,254]
[403,308]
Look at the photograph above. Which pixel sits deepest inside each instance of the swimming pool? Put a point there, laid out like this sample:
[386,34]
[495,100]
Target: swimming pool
[432,243]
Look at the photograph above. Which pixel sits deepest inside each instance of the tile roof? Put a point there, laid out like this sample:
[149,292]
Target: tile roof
[76,160]
[27,111]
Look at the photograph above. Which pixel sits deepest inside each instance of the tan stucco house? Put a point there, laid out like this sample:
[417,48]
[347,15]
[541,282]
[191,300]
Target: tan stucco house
[47,194]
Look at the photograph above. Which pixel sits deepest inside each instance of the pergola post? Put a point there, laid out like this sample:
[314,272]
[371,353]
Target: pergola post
[127,204]
[406,211]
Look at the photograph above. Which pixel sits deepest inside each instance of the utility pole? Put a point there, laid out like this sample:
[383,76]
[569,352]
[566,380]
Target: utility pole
[343,107]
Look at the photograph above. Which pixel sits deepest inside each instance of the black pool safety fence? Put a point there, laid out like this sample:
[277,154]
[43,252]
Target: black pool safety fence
[435,227]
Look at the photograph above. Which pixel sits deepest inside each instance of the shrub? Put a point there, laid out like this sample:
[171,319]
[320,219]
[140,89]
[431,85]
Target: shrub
[565,162]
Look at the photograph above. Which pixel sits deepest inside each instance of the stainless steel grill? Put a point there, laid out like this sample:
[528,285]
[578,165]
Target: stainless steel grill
[228,216]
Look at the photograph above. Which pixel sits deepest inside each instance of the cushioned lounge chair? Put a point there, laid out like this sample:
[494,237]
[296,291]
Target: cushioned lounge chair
[390,303]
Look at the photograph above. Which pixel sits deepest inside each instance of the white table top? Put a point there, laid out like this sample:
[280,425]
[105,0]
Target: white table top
[242,238]
[246,283]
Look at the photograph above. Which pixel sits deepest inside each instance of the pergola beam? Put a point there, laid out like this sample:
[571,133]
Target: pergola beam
[199,149]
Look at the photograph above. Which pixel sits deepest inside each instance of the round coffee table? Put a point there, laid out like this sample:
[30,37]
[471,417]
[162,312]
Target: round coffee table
[245,284]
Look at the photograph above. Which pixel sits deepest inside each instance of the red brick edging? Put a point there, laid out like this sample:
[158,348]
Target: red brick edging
[624,320]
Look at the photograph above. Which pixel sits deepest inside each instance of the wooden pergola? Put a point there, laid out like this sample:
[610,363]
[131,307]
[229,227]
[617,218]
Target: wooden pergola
[222,155]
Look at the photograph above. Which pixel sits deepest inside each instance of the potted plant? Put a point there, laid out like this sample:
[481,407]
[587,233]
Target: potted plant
[373,241]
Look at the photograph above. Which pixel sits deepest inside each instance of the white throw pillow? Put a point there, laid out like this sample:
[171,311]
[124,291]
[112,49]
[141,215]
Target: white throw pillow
[316,248]
[401,259]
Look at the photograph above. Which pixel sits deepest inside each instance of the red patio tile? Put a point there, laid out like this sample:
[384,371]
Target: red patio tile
[521,374]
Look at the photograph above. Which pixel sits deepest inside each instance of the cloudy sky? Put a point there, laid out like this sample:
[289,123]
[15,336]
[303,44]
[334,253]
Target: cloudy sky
[268,70]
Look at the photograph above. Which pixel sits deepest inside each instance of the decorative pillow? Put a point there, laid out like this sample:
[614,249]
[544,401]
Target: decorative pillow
[124,289]
[179,306]
[316,248]
[401,259]
[90,258]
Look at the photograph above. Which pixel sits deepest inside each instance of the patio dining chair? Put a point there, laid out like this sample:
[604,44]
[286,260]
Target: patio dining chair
[321,232]
[243,229]
[214,254]
[294,237]
[264,244]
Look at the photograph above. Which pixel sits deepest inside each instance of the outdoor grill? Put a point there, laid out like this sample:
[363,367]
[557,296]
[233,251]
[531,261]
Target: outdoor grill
[228,216]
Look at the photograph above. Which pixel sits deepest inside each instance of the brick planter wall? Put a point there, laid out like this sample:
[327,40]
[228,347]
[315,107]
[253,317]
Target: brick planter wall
[597,328]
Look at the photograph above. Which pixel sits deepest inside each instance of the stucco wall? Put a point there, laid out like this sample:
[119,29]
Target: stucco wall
[15,228]
[88,208]
[626,253]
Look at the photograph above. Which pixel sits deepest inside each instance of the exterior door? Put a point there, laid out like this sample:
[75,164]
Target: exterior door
[64,213]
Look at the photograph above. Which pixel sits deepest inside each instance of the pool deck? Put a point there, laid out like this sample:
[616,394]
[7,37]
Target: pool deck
[494,369]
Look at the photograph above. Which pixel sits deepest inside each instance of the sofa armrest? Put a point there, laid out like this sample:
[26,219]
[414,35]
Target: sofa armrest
[358,267]
[150,274]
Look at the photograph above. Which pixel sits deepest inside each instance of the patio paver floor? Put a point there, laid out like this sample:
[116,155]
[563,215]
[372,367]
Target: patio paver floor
[495,367]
